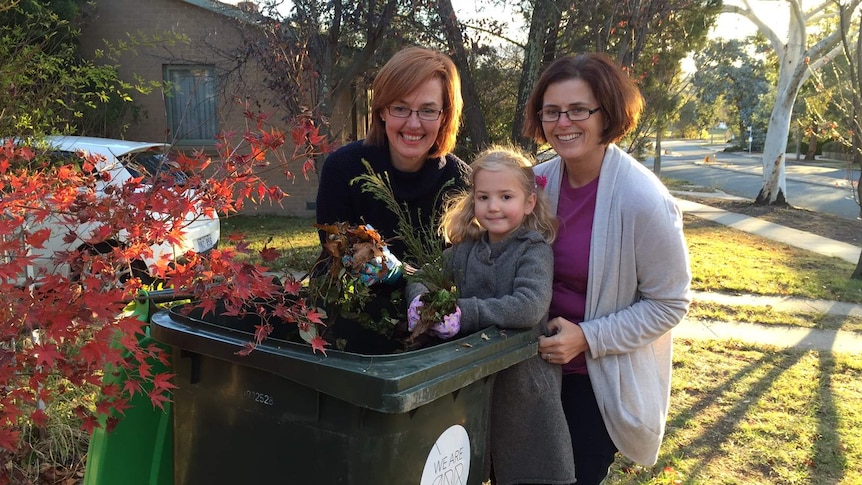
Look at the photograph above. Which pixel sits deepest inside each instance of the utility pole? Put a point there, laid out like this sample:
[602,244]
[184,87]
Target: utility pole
[749,139]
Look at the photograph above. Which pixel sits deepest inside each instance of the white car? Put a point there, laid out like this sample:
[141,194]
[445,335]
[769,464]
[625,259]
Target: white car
[123,160]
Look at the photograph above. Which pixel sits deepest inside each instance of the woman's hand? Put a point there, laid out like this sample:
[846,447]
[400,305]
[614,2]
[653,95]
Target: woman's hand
[565,344]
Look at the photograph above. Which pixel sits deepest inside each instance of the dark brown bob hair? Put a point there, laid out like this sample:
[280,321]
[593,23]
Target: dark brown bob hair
[618,95]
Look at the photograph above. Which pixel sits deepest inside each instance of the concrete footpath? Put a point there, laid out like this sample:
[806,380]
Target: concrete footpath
[777,335]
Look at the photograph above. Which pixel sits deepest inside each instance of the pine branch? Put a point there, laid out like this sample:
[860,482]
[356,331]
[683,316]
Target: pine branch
[424,244]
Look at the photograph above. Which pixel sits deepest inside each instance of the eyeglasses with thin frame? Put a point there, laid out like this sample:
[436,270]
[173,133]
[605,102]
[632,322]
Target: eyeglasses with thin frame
[578,113]
[424,114]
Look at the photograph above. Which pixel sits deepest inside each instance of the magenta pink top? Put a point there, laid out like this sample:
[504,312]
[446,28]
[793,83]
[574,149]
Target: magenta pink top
[575,211]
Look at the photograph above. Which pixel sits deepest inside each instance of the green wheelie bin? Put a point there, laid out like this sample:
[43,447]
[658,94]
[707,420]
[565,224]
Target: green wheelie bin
[139,450]
[283,415]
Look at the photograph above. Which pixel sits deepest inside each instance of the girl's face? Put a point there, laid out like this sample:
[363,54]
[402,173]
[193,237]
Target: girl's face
[500,202]
[574,141]
[411,138]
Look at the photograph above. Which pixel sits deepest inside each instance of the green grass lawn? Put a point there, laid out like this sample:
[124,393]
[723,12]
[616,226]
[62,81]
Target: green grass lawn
[294,237]
[747,414]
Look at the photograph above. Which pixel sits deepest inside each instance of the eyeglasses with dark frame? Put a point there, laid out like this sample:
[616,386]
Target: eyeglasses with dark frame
[578,113]
[424,114]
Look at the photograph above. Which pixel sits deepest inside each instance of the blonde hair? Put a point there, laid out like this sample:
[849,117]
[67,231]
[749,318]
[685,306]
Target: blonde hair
[407,70]
[459,220]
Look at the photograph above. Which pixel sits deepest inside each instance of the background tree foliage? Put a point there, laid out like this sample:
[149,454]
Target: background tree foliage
[46,86]
[344,43]
[729,74]
[649,38]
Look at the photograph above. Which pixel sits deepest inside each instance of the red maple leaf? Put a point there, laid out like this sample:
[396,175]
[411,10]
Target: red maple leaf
[247,348]
[120,406]
[269,254]
[162,382]
[315,316]
[317,343]
[144,370]
[47,355]
[276,194]
[37,239]
[39,417]
[158,399]
[131,386]
[89,423]
[292,286]
[9,438]
[261,332]
[103,407]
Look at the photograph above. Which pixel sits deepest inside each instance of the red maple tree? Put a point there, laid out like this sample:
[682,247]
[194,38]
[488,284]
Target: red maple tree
[59,332]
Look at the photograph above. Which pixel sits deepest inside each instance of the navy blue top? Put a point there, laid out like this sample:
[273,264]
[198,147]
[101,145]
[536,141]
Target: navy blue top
[339,201]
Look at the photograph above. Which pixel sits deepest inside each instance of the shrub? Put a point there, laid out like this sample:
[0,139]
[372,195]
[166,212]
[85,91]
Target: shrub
[835,147]
[73,329]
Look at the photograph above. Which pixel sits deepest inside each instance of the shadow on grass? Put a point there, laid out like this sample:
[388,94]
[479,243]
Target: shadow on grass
[828,448]
[828,461]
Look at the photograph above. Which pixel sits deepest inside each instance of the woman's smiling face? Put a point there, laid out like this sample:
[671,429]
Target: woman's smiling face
[410,139]
[574,141]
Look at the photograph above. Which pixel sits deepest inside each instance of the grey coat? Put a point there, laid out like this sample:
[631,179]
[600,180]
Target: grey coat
[508,284]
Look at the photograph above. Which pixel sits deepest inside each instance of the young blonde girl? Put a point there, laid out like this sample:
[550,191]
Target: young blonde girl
[502,264]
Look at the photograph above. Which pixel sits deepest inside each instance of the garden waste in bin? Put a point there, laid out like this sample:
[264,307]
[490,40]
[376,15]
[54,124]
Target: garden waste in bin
[283,415]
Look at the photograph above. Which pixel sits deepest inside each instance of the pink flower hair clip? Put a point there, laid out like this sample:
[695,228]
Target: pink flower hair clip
[541,181]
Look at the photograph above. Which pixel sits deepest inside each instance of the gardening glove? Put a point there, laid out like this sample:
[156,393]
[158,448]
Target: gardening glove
[448,328]
[372,272]
[413,312]
[396,269]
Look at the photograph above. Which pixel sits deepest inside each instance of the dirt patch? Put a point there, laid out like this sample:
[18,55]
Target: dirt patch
[826,225]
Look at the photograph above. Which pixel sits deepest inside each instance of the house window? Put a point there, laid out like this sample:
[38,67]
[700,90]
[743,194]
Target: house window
[190,99]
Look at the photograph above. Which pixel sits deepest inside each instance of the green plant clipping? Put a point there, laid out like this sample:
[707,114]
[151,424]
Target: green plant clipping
[424,250]
[424,244]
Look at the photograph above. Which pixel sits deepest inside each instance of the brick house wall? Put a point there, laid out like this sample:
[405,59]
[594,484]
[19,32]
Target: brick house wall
[212,29]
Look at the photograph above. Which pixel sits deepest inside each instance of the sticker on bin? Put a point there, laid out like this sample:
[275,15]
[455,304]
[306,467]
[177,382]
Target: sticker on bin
[203,243]
[448,462]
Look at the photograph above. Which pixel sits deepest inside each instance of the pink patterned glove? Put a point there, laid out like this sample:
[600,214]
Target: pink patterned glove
[413,312]
[448,328]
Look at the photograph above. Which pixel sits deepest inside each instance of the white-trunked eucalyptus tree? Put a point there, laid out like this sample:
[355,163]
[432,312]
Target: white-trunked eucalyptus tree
[800,51]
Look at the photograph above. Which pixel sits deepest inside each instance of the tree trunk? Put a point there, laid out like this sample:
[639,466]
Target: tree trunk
[545,17]
[774,188]
[656,164]
[812,146]
[474,119]
[858,194]
[857,273]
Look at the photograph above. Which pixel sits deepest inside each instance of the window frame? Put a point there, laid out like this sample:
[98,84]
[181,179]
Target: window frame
[203,102]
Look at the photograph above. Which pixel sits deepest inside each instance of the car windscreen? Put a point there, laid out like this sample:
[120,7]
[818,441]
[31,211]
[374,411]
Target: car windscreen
[152,164]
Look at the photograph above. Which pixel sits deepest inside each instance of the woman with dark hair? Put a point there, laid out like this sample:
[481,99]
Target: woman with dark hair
[621,273]
[415,117]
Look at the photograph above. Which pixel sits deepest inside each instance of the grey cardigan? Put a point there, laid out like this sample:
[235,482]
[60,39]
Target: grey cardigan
[638,289]
[509,284]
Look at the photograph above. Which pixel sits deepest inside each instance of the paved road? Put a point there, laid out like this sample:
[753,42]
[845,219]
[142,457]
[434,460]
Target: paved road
[820,186]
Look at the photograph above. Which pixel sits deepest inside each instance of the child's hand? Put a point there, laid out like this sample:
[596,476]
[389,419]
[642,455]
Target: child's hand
[413,312]
[448,328]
